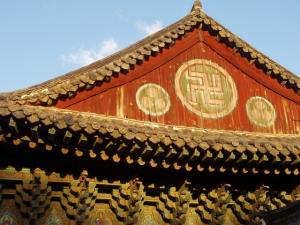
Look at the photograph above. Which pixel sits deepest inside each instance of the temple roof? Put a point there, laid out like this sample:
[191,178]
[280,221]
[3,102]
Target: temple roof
[25,120]
[142,143]
[125,60]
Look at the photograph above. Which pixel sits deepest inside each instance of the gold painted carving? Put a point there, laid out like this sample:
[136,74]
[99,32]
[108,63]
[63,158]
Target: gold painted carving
[260,111]
[206,88]
[153,100]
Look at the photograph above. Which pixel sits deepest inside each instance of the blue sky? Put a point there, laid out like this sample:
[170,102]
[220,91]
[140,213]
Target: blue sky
[41,39]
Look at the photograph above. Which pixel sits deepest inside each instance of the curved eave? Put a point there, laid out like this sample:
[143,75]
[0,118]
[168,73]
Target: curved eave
[148,144]
[68,85]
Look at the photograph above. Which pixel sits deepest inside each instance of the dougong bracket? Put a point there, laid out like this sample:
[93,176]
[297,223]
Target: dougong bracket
[174,206]
[128,201]
[33,195]
[80,198]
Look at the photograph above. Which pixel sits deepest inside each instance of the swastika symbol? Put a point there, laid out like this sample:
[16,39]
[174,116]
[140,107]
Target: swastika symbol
[205,88]
[199,86]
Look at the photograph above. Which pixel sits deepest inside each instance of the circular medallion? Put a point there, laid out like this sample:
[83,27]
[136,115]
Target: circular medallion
[260,111]
[152,99]
[205,88]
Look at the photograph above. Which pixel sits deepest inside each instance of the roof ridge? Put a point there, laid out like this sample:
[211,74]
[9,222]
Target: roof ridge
[102,70]
[138,48]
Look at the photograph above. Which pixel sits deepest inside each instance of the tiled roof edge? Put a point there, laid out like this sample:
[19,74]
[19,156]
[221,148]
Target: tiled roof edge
[140,142]
[103,70]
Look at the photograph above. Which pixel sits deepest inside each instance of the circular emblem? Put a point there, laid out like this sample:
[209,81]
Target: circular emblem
[205,88]
[260,111]
[152,99]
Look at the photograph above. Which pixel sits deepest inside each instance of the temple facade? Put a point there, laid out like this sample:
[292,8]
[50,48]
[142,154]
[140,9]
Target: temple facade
[190,126]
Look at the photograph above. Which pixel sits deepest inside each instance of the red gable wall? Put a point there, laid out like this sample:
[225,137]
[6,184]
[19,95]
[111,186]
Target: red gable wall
[118,97]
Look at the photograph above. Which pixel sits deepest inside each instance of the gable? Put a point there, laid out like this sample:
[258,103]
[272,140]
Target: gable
[232,96]
[227,81]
